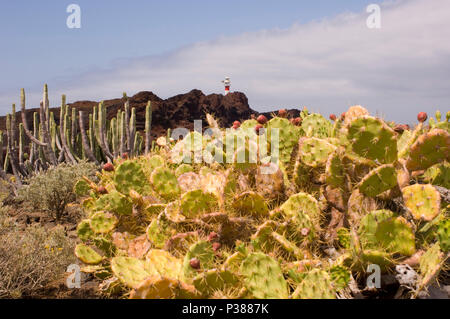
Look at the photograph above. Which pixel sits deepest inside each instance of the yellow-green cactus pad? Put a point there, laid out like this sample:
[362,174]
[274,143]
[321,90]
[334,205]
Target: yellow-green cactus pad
[87,255]
[102,222]
[378,180]
[423,201]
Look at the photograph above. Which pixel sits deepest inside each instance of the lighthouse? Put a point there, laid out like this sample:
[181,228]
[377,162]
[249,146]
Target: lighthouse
[227,83]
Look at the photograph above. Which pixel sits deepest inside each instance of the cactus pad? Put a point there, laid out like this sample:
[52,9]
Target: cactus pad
[263,277]
[371,138]
[87,255]
[129,175]
[251,203]
[84,230]
[201,250]
[429,149]
[102,222]
[165,183]
[314,152]
[423,201]
[316,284]
[164,263]
[396,235]
[114,202]
[131,271]
[214,280]
[378,180]
[196,202]
[315,125]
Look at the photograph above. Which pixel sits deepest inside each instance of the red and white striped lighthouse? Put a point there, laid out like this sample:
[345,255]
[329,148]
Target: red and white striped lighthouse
[227,84]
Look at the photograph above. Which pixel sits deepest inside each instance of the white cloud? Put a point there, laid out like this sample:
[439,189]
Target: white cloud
[328,65]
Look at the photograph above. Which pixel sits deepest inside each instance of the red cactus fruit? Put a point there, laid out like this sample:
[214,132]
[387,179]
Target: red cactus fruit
[262,119]
[333,117]
[125,155]
[343,116]
[102,190]
[108,167]
[213,236]
[258,128]
[194,263]
[422,117]
[297,121]
[236,125]
[282,113]
[216,246]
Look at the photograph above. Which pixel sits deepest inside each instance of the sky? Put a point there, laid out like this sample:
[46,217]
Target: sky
[289,53]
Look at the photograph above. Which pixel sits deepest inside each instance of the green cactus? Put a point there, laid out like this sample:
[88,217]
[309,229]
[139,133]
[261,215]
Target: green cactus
[102,222]
[288,136]
[183,168]
[157,233]
[197,202]
[378,180]
[430,265]
[438,175]
[263,277]
[316,284]
[214,280]
[131,271]
[87,255]
[314,152]
[129,175]
[164,263]
[369,224]
[81,188]
[203,252]
[371,138]
[443,234]
[430,148]
[396,235]
[304,210]
[315,125]
[114,202]
[84,230]
[165,183]
[335,170]
[251,203]
[423,201]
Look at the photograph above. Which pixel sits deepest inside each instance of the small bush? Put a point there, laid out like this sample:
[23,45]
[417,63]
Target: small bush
[52,190]
[31,258]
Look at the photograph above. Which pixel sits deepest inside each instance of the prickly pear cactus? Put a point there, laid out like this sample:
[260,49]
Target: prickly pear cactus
[315,125]
[263,277]
[87,255]
[314,152]
[423,201]
[430,148]
[188,219]
[378,180]
[102,222]
[129,175]
[165,183]
[316,284]
[131,271]
[371,138]
[202,253]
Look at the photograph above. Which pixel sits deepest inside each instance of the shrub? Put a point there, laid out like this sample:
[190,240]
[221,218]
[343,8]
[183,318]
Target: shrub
[31,258]
[52,190]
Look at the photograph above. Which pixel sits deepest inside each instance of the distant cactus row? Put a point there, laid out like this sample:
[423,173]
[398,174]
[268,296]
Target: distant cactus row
[69,141]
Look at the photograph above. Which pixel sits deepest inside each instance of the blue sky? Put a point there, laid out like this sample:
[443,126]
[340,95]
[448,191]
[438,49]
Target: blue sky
[119,36]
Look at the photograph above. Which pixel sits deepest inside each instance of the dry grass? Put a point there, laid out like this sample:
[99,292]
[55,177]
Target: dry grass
[31,257]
